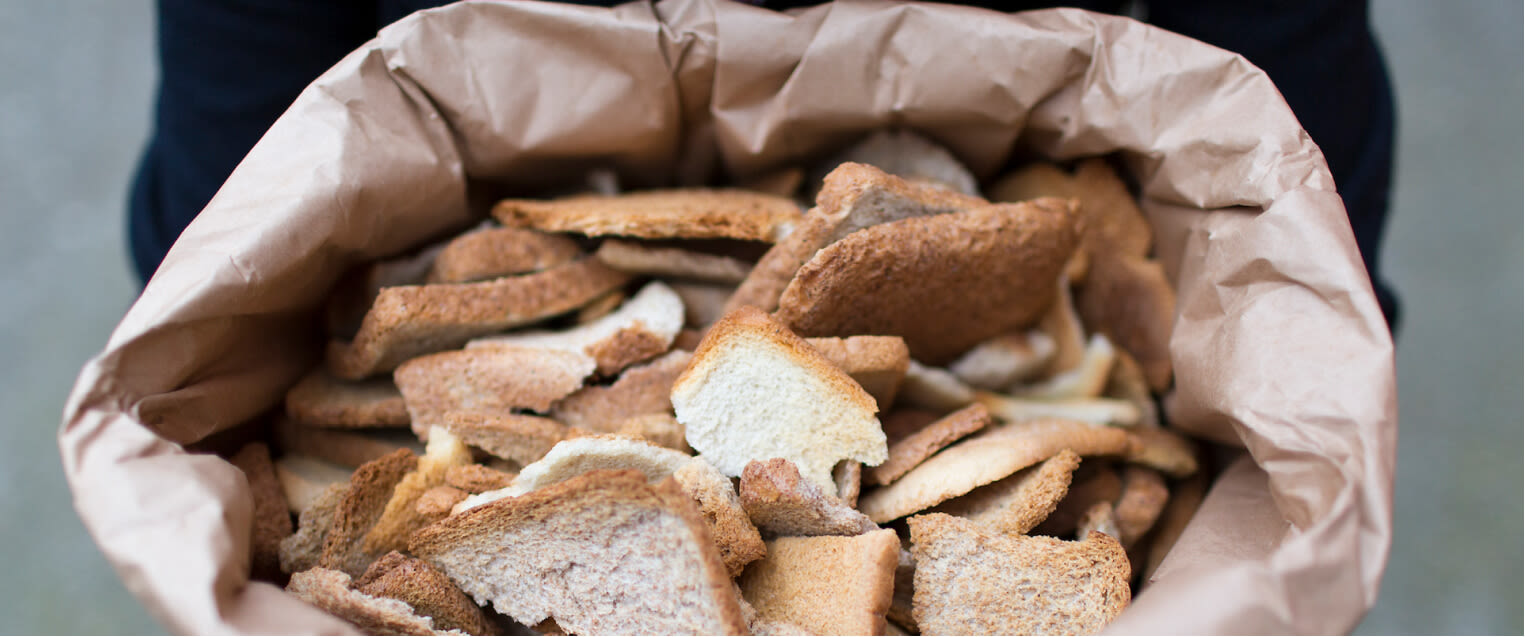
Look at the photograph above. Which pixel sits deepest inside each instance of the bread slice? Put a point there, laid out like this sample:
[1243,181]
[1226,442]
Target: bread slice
[641,390]
[495,379]
[1087,380]
[520,438]
[347,448]
[877,363]
[1163,450]
[985,458]
[735,536]
[1016,504]
[576,456]
[606,552]
[410,321]
[640,329]
[356,291]
[1131,301]
[910,451]
[934,388]
[1004,360]
[272,521]
[659,429]
[678,263]
[658,214]
[780,503]
[703,303]
[943,283]
[303,478]
[1113,222]
[370,488]
[475,478]
[852,197]
[1095,481]
[826,585]
[303,549]
[909,156]
[1097,411]
[324,400]
[1141,503]
[967,578]
[428,591]
[330,590]
[756,391]
[401,518]
[489,253]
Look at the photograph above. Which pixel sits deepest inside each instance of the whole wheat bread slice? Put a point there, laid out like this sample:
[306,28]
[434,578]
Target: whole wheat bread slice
[401,518]
[756,391]
[493,252]
[826,585]
[967,578]
[370,489]
[640,329]
[658,214]
[606,552]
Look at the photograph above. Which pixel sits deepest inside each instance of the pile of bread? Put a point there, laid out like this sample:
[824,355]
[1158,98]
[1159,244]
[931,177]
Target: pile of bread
[906,409]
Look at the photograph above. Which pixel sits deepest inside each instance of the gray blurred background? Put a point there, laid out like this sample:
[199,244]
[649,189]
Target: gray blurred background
[75,92]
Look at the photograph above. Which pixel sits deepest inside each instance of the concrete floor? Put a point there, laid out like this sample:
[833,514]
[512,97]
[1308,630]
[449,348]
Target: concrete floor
[75,90]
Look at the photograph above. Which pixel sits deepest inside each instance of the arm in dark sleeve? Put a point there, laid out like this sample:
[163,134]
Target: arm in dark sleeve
[228,69]
[1322,56]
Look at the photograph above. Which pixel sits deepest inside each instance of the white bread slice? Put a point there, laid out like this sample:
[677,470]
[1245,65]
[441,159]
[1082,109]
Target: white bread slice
[642,328]
[756,391]
[827,585]
[967,579]
[606,552]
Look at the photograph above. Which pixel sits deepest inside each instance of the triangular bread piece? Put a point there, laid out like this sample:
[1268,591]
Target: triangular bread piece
[827,585]
[606,552]
[756,391]
[967,578]
[658,214]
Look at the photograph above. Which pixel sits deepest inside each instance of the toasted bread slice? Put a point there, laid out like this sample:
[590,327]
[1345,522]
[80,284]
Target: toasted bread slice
[780,503]
[410,321]
[853,196]
[640,390]
[985,458]
[606,552]
[304,549]
[356,291]
[1165,451]
[1016,504]
[1006,359]
[1114,223]
[303,478]
[323,400]
[1141,503]
[640,329]
[735,535]
[428,591]
[826,585]
[476,478]
[370,489]
[967,577]
[272,521]
[493,252]
[754,391]
[658,214]
[934,388]
[599,308]
[877,363]
[678,263]
[520,438]
[401,518]
[1095,481]
[330,590]
[496,379]
[943,283]
[1130,300]
[910,451]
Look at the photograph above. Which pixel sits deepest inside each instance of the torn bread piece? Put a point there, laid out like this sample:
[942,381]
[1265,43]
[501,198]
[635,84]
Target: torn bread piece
[323,400]
[934,388]
[410,321]
[272,521]
[911,450]
[943,283]
[303,478]
[1099,411]
[600,307]
[694,213]
[400,518]
[678,263]
[754,390]
[348,448]
[1016,504]
[520,438]
[330,590]
[489,253]
[606,552]
[302,550]
[1143,499]
[496,379]
[576,456]
[985,458]
[703,303]
[1131,301]
[1087,380]
[852,197]
[476,478]
[1165,451]
[877,363]
[1113,222]
[966,578]
[735,535]
[437,503]
[909,156]
[640,329]
[826,585]
[1100,518]
[425,589]
[660,429]
[1095,481]
[370,489]
[640,390]
[356,291]
[781,503]
[1004,360]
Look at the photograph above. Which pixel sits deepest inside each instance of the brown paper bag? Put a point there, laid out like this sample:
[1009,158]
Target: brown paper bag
[1278,345]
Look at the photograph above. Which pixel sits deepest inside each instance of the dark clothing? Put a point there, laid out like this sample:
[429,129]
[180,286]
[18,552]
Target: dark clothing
[229,68]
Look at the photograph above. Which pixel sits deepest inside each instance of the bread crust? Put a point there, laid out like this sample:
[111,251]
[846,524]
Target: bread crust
[695,213]
[493,252]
